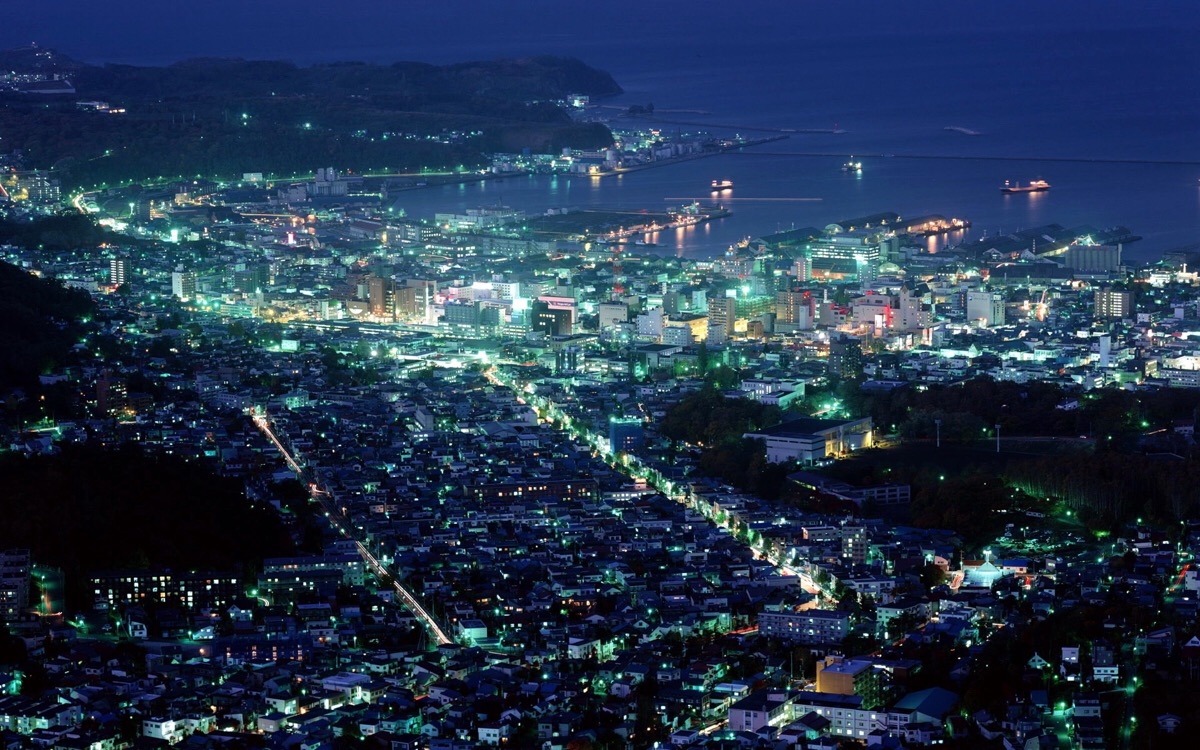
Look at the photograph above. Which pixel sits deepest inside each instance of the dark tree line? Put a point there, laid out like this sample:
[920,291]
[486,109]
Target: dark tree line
[91,508]
[717,424]
[1114,487]
[40,320]
[708,418]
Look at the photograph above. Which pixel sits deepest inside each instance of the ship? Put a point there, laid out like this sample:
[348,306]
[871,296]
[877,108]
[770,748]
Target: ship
[721,185]
[852,166]
[1036,186]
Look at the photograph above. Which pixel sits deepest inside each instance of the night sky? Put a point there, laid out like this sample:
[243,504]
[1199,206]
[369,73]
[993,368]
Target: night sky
[311,30]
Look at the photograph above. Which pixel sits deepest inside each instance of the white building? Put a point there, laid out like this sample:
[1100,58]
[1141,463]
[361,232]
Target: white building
[183,285]
[987,307]
[808,439]
[813,626]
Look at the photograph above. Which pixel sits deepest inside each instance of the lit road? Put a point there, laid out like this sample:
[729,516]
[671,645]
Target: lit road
[632,466]
[338,521]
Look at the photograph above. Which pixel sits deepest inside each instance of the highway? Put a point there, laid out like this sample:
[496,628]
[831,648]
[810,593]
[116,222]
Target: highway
[338,521]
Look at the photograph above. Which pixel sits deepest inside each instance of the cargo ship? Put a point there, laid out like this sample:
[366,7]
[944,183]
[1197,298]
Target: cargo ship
[1035,186]
[721,185]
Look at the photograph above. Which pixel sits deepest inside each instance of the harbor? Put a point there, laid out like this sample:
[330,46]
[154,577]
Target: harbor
[623,227]
[797,190]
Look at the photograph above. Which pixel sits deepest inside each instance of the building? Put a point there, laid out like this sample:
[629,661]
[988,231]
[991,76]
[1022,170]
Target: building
[722,313]
[350,566]
[803,268]
[35,186]
[625,434]
[195,590]
[844,256]
[15,566]
[1112,303]
[612,314]
[414,300]
[811,627]
[846,715]
[845,357]
[183,285]
[381,294]
[986,307]
[536,490]
[766,708]
[795,308]
[568,360]
[552,316]
[695,325]
[118,271]
[809,439]
[914,314]
[841,676]
[1093,259]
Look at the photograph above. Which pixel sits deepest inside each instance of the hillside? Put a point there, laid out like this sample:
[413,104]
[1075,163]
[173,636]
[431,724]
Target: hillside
[223,117]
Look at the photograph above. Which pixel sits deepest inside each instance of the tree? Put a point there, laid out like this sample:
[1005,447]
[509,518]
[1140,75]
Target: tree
[932,576]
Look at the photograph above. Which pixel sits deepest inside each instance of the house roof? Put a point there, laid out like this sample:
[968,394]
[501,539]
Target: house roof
[804,426]
[935,701]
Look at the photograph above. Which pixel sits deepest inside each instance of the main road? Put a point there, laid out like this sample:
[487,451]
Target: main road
[339,522]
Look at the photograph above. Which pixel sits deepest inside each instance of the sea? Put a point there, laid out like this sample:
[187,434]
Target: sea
[1100,98]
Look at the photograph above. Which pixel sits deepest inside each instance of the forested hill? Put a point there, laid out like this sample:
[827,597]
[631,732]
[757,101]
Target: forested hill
[40,320]
[223,117]
[410,84]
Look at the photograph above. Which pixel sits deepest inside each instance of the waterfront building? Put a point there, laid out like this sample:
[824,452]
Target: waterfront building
[844,256]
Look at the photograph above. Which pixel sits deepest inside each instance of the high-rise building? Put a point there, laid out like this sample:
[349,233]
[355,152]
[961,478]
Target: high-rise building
[549,320]
[722,312]
[414,300]
[381,294]
[568,360]
[795,308]
[118,271]
[845,357]
[803,268]
[914,314]
[987,307]
[1113,303]
[183,285]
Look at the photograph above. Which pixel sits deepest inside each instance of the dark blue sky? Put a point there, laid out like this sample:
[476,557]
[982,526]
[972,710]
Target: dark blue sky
[444,30]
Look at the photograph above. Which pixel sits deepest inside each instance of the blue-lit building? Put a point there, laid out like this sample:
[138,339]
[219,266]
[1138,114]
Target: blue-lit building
[625,435]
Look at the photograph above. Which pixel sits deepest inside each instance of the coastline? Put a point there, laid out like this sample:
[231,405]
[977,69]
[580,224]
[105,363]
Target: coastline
[690,157]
